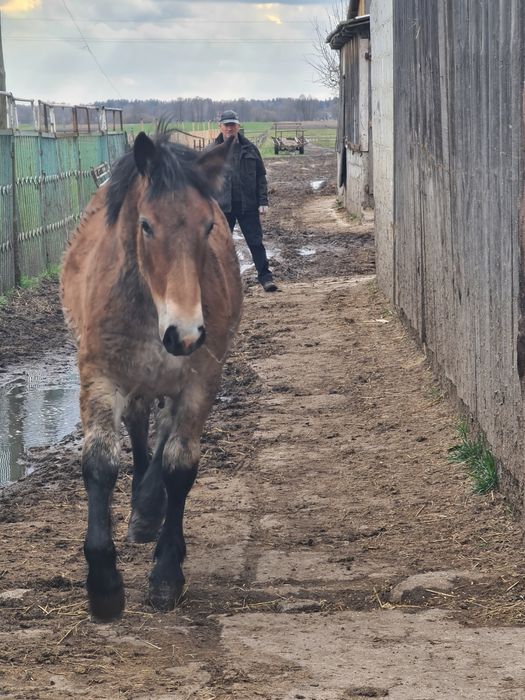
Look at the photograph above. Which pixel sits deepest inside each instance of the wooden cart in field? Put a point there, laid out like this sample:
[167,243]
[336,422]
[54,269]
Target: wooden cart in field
[288,137]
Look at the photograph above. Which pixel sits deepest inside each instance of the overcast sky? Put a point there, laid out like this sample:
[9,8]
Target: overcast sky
[79,51]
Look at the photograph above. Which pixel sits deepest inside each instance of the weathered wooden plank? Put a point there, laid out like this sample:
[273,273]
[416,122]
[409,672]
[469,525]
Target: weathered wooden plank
[458,188]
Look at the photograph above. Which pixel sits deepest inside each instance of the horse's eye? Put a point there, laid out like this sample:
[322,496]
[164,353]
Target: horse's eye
[210,228]
[146,228]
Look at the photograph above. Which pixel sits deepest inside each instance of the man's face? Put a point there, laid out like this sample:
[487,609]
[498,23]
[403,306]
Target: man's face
[229,129]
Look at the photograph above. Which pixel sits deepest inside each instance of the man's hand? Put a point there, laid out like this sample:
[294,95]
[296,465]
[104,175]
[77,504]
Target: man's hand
[263,209]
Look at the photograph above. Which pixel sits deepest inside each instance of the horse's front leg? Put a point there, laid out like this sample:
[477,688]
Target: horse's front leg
[100,456]
[179,469]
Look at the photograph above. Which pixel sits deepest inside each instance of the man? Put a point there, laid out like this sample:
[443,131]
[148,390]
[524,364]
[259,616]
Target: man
[244,195]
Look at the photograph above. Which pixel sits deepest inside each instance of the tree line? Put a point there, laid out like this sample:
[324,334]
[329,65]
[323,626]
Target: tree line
[202,109]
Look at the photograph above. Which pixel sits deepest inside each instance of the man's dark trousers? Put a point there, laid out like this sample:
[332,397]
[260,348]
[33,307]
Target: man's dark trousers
[253,235]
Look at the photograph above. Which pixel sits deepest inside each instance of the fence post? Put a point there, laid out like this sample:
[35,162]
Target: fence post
[16,249]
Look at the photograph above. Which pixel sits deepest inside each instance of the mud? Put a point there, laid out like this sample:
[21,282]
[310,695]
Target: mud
[333,551]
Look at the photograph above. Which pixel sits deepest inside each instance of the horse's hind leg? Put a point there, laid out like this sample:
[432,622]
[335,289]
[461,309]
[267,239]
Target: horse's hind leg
[99,469]
[149,498]
[136,420]
[179,470]
[149,502]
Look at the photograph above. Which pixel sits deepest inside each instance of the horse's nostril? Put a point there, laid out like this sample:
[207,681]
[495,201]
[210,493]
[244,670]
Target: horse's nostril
[176,345]
[171,340]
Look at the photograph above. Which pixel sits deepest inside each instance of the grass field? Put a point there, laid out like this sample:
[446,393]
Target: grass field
[258,132]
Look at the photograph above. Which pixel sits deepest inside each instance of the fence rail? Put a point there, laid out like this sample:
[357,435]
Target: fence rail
[45,182]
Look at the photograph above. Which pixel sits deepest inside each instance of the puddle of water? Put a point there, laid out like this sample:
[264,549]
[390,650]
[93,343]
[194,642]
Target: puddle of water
[38,407]
[317,184]
[243,252]
[307,251]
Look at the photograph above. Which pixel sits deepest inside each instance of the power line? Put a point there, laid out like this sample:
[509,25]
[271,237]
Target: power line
[155,40]
[90,51]
[160,20]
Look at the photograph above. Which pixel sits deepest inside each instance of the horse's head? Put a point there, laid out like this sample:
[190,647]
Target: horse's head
[175,218]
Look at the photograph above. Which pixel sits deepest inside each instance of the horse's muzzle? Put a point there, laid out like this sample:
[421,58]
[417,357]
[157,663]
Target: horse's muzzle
[176,345]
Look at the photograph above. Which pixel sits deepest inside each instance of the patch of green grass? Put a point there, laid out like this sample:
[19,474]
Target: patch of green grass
[52,273]
[435,393]
[6,297]
[321,136]
[478,459]
[28,282]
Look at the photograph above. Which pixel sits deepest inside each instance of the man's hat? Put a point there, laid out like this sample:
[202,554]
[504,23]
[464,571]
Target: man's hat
[229,117]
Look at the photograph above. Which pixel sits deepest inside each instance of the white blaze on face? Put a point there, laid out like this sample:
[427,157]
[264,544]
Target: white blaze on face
[188,322]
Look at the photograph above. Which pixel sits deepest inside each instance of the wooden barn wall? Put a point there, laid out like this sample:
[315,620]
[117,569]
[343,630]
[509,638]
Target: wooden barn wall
[350,57]
[353,142]
[458,185]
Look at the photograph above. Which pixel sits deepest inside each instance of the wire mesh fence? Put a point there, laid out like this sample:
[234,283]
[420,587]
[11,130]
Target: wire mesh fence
[45,182]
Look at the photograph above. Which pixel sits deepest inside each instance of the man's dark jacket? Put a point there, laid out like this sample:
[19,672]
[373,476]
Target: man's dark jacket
[254,188]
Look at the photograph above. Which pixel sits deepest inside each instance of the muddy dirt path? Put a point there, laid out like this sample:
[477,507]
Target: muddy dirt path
[334,553]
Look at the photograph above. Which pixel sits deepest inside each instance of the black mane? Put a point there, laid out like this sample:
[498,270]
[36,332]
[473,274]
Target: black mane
[172,169]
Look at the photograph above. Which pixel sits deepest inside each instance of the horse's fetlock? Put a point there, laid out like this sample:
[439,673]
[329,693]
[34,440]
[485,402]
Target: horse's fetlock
[100,558]
[170,551]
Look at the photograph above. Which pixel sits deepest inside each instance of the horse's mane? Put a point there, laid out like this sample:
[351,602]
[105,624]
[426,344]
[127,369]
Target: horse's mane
[172,169]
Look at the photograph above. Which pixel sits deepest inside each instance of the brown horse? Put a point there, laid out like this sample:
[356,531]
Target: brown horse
[151,289]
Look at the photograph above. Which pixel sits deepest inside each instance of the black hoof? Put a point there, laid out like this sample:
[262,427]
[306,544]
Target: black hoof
[107,607]
[164,595]
[107,604]
[140,533]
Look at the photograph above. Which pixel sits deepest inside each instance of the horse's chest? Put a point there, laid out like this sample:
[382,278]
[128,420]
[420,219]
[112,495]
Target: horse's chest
[150,370]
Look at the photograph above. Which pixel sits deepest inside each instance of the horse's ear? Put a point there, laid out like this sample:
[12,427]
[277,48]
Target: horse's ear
[213,161]
[144,152]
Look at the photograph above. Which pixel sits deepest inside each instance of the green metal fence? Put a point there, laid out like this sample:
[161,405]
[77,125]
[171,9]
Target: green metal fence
[45,182]
[7,267]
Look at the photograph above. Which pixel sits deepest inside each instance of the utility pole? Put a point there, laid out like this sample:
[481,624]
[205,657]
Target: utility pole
[3,99]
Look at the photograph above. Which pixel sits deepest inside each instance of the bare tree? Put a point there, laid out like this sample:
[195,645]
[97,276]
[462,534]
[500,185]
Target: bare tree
[324,60]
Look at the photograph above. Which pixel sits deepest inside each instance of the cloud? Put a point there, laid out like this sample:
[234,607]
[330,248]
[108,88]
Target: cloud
[140,49]
[19,5]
